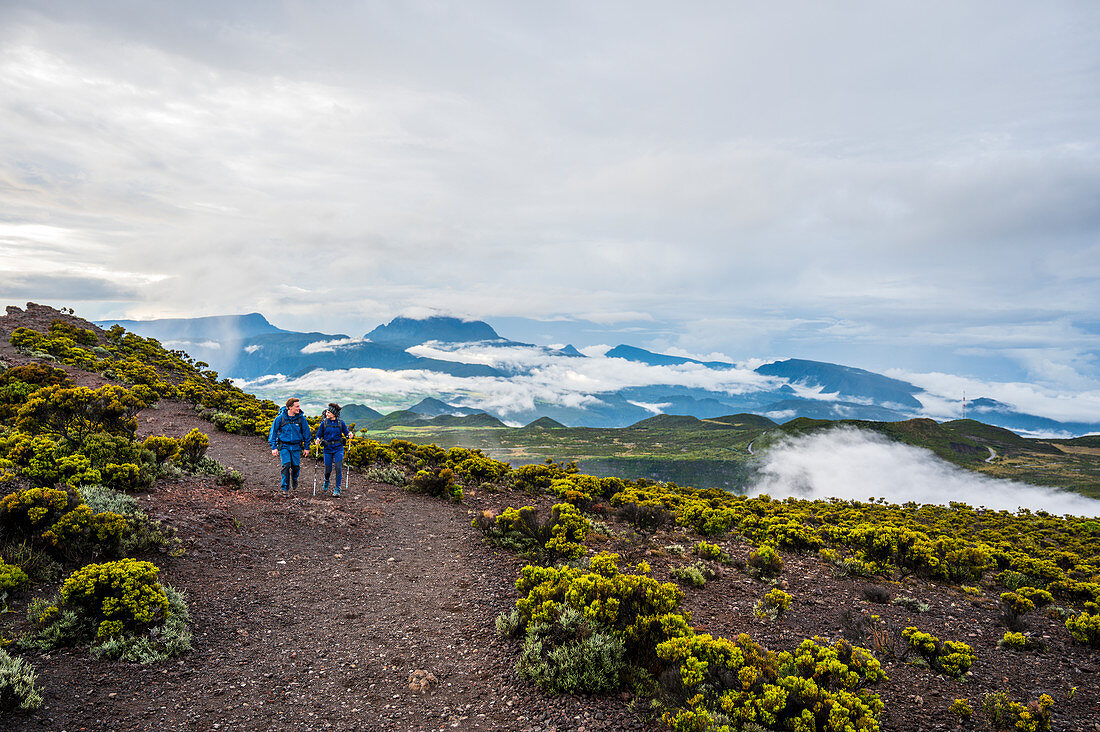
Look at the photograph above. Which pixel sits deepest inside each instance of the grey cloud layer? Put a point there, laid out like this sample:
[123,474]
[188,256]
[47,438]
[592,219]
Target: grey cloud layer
[815,180]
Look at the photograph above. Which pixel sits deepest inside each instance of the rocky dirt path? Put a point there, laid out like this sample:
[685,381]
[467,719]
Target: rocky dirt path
[311,613]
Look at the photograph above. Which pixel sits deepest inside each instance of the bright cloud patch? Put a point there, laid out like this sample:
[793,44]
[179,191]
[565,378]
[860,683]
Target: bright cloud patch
[331,346]
[943,397]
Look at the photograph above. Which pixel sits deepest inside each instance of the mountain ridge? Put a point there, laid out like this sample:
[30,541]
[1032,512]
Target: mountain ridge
[249,347]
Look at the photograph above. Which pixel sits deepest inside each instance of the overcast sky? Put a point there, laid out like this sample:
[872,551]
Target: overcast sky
[887,185]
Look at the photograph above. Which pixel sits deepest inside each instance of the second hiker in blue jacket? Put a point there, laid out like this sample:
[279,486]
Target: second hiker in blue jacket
[331,433]
[288,438]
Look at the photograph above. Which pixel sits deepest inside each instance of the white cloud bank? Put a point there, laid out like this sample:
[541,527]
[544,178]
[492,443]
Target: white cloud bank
[534,375]
[856,465]
[943,395]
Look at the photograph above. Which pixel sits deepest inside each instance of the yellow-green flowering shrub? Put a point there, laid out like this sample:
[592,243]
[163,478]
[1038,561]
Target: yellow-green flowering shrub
[1005,714]
[764,561]
[1085,628]
[1037,597]
[364,453]
[28,511]
[11,578]
[562,536]
[955,543]
[635,608]
[712,551]
[81,532]
[950,657]
[77,412]
[473,468]
[538,478]
[438,482]
[111,599]
[817,687]
[773,605]
[163,448]
[192,448]
[961,708]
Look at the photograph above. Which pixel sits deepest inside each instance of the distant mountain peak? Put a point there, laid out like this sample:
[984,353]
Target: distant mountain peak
[432,407]
[220,327]
[633,353]
[414,331]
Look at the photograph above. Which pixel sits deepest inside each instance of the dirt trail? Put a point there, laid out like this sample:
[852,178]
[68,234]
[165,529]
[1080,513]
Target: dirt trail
[311,613]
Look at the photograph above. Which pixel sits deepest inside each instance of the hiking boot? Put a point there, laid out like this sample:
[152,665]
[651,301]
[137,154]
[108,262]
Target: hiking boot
[336,493]
[325,488]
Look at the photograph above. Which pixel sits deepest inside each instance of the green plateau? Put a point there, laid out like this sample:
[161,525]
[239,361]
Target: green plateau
[722,452]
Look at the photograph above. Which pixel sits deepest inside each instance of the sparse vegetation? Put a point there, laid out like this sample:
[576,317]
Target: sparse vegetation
[595,623]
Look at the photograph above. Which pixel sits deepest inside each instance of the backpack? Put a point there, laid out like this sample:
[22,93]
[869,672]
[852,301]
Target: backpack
[340,425]
[281,420]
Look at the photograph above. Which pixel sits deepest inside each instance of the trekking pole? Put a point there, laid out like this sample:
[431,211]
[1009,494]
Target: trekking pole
[314,471]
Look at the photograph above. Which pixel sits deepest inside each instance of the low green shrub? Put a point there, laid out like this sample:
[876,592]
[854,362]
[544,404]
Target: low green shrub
[695,574]
[644,517]
[437,482]
[28,512]
[141,533]
[18,685]
[911,604]
[1037,597]
[635,608]
[161,642]
[390,474]
[1013,609]
[571,654]
[163,448]
[12,577]
[1020,642]
[38,565]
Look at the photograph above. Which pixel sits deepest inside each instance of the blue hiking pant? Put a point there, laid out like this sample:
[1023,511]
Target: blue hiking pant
[335,458]
[291,459]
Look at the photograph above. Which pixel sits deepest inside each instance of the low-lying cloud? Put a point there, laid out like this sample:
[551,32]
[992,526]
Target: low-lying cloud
[852,464]
[330,346]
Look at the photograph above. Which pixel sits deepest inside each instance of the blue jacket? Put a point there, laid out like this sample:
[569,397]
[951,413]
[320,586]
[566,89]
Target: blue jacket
[331,433]
[289,432]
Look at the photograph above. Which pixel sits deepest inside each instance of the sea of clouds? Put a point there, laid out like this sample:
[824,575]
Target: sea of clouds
[857,465]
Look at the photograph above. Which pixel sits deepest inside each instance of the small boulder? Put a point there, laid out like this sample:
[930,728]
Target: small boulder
[421,680]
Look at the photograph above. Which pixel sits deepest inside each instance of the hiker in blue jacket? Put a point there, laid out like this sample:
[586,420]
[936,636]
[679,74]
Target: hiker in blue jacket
[289,437]
[331,433]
